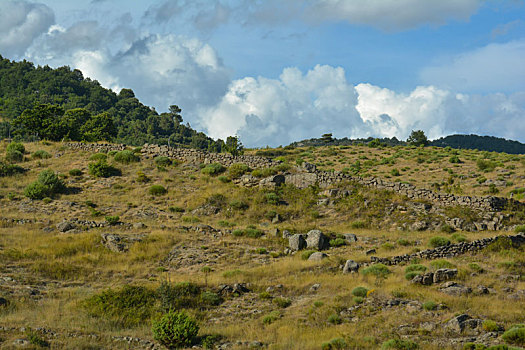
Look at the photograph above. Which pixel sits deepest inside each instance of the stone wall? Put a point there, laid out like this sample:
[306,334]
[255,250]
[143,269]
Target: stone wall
[449,250]
[95,147]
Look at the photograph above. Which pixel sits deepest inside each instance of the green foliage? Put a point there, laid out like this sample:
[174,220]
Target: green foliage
[359,292]
[395,172]
[377,270]
[334,319]
[75,172]
[14,156]
[213,169]
[337,242]
[40,154]
[403,242]
[306,254]
[500,244]
[162,161]
[271,317]
[335,344]
[474,346]
[447,229]
[515,335]
[413,270]
[417,138]
[16,146]
[282,302]
[126,157]
[112,220]
[157,190]
[399,344]
[102,169]
[490,326]
[234,146]
[486,165]
[237,170]
[176,209]
[35,339]
[455,160]
[239,205]
[10,169]
[175,330]
[459,238]
[126,307]
[142,178]
[439,241]
[441,264]
[224,179]
[358,224]
[518,229]
[429,305]
[98,156]
[272,198]
[46,185]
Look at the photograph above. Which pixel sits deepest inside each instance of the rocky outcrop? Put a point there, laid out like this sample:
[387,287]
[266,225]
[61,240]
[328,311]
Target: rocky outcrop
[317,240]
[351,267]
[296,242]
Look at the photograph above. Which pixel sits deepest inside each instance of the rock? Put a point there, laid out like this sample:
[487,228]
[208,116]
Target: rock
[317,240]
[315,287]
[206,210]
[350,237]
[351,267]
[419,226]
[317,256]
[3,302]
[113,242]
[455,289]
[370,251]
[274,232]
[237,288]
[482,290]
[276,219]
[297,242]
[65,226]
[424,279]
[444,275]
[286,234]
[139,225]
[464,324]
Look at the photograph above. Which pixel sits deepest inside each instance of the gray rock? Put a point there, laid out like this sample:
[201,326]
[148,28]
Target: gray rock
[317,240]
[455,289]
[350,237]
[351,267]
[442,275]
[276,219]
[315,287]
[419,226]
[297,242]
[370,251]
[464,324]
[139,225]
[424,279]
[317,256]
[274,232]
[65,226]
[286,234]
[113,242]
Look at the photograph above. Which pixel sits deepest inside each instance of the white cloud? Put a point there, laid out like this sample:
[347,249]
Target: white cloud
[21,23]
[495,67]
[298,106]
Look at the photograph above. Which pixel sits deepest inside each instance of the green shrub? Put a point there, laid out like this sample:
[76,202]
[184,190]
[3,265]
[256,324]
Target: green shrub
[40,154]
[399,344]
[237,170]
[358,300]
[500,244]
[439,241]
[16,146]
[208,299]
[129,306]
[410,275]
[223,179]
[335,344]
[209,341]
[102,169]
[415,267]
[395,172]
[441,264]
[486,165]
[157,190]
[75,172]
[403,242]
[239,205]
[213,169]
[162,161]
[112,220]
[35,339]
[447,229]
[282,302]
[335,319]
[271,317]
[253,233]
[459,238]
[36,190]
[357,224]
[337,242]
[377,270]
[10,169]
[455,160]
[272,198]
[142,178]
[388,246]
[126,157]
[179,295]
[265,295]
[359,292]
[176,209]
[46,185]
[175,330]
[515,335]
[429,305]
[490,326]
[474,346]
[518,229]
[306,254]
[98,156]
[14,156]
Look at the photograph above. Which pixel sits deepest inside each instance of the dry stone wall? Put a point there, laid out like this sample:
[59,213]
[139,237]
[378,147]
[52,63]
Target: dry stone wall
[95,147]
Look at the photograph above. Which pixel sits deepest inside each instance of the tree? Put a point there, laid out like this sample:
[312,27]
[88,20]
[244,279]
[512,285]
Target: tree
[417,138]
[234,146]
[175,113]
[99,127]
[327,138]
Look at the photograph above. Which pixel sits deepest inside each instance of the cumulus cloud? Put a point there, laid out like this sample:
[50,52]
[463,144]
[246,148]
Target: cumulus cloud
[21,23]
[298,106]
[495,67]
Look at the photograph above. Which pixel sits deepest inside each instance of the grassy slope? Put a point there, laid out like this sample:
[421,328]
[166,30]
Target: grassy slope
[68,268]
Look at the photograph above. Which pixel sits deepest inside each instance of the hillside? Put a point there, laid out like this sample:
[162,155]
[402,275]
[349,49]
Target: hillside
[23,87]
[120,235]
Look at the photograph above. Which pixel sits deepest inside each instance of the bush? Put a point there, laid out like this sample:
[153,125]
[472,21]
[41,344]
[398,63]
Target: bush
[490,326]
[239,205]
[359,292]
[237,170]
[10,169]
[414,270]
[334,319]
[337,242]
[429,306]
[98,156]
[157,190]
[399,344]
[224,179]
[335,344]
[357,224]
[272,198]
[112,220]
[358,300]
[16,146]
[213,169]
[439,241]
[515,335]
[282,302]
[102,169]
[75,172]
[129,306]
[474,346]
[455,160]
[46,185]
[441,264]
[176,209]
[306,254]
[500,244]
[447,229]
[14,156]
[518,229]
[126,157]
[175,330]
[378,270]
[253,233]
[36,190]
[162,161]
[459,238]
[40,154]
[271,317]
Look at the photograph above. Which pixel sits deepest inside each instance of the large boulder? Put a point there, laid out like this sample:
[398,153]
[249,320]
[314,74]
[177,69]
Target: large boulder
[350,237]
[317,256]
[317,240]
[455,289]
[65,226]
[424,279]
[442,275]
[464,324]
[351,267]
[296,242]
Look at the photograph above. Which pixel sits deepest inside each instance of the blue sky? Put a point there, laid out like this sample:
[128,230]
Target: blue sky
[278,71]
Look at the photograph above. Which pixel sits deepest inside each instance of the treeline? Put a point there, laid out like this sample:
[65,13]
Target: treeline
[56,104]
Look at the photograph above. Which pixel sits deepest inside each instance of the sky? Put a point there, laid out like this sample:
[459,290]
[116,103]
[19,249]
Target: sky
[277,71]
